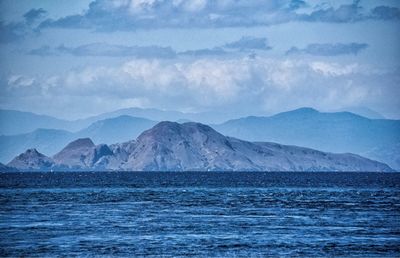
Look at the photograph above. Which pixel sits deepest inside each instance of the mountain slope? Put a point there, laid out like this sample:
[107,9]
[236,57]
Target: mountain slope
[362,111]
[170,146]
[32,160]
[161,115]
[49,141]
[4,168]
[118,129]
[16,122]
[13,122]
[80,154]
[334,132]
[193,146]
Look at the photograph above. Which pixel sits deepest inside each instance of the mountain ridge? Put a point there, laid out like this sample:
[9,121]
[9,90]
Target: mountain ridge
[377,139]
[170,146]
[49,141]
[332,132]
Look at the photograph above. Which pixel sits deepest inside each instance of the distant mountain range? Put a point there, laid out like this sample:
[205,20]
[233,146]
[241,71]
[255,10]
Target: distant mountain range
[49,141]
[362,111]
[14,122]
[170,146]
[334,132]
[17,122]
[118,129]
[339,132]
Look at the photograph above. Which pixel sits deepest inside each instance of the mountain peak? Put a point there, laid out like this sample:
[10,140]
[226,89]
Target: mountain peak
[76,154]
[167,128]
[32,151]
[300,113]
[305,110]
[167,124]
[31,159]
[163,128]
[80,143]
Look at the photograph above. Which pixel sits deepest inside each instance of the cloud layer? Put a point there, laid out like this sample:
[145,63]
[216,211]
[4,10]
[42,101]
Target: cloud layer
[131,15]
[134,14]
[210,83]
[245,43]
[249,43]
[329,49]
[103,49]
[237,55]
[34,14]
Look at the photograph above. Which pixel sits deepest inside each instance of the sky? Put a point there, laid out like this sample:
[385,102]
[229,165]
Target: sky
[73,59]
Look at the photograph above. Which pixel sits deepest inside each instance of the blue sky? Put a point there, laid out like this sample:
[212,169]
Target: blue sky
[72,59]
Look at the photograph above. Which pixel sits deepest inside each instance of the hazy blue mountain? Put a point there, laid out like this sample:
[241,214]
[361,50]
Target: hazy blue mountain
[118,129]
[4,168]
[16,122]
[333,132]
[363,111]
[170,146]
[388,154]
[162,115]
[148,113]
[47,141]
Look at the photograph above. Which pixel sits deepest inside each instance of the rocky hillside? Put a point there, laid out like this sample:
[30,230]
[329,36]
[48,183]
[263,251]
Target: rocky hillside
[170,146]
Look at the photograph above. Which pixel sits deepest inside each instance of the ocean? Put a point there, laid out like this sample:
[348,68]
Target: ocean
[206,214]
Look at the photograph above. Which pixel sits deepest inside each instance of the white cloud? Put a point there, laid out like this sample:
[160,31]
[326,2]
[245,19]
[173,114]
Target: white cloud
[123,15]
[20,81]
[235,84]
[334,69]
[195,5]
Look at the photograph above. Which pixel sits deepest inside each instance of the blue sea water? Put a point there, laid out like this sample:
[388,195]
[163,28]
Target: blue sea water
[226,214]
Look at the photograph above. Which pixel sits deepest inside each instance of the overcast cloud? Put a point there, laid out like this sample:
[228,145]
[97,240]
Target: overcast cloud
[252,57]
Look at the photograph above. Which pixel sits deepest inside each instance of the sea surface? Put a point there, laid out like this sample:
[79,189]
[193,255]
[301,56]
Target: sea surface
[207,214]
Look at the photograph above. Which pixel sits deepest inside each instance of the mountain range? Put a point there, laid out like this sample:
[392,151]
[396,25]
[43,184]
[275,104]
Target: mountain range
[170,146]
[340,132]
[49,141]
[334,132]
[14,122]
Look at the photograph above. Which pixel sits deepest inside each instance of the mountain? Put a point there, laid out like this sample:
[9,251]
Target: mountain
[378,139]
[49,141]
[147,113]
[75,153]
[118,129]
[388,154]
[170,146]
[32,160]
[333,132]
[4,168]
[162,115]
[363,111]
[80,154]
[17,122]
[14,122]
